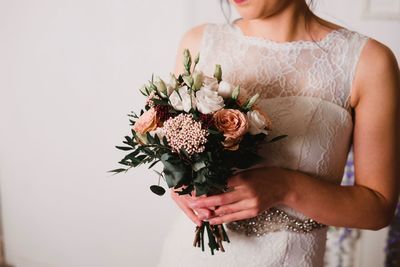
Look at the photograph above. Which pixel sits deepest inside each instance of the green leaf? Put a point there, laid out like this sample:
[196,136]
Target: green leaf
[148,151]
[158,190]
[154,163]
[201,189]
[213,131]
[118,170]
[198,165]
[277,138]
[130,141]
[150,138]
[156,139]
[125,148]
[175,171]
[185,191]
[132,155]
[141,157]
[200,176]
[165,141]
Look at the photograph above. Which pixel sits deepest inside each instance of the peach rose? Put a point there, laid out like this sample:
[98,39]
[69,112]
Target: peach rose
[233,124]
[146,122]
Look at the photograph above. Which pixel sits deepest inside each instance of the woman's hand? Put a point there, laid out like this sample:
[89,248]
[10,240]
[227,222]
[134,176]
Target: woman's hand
[183,202]
[254,191]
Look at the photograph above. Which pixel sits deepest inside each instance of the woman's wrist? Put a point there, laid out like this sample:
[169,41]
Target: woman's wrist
[288,195]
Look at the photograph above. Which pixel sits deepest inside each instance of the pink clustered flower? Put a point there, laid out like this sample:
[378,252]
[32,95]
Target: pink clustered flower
[149,100]
[183,132]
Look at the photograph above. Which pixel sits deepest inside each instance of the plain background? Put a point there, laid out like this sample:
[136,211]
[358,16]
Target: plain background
[69,73]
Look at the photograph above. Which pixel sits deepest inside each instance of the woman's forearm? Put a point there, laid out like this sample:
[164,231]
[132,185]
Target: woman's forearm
[335,205]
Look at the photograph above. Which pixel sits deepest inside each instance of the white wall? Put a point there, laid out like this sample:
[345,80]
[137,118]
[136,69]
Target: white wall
[69,71]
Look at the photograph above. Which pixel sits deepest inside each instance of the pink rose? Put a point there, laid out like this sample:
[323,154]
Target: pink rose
[146,122]
[233,124]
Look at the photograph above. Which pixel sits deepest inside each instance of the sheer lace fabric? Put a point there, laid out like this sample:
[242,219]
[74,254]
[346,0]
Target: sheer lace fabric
[305,88]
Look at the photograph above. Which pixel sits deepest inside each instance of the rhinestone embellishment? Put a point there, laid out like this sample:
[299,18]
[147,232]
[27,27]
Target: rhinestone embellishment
[273,220]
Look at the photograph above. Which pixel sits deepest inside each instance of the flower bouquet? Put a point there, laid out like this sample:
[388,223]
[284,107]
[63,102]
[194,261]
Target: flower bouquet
[201,129]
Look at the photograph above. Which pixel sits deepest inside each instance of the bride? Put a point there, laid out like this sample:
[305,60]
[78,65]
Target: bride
[325,86]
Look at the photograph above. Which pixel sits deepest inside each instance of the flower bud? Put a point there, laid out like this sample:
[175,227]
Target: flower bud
[187,60]
[197,80]
[218,72]
[224,89]
[188,79]
[173,81]
[144,90]
[152,87]
[161,87]
[251,101]
[197,58]
[235,93]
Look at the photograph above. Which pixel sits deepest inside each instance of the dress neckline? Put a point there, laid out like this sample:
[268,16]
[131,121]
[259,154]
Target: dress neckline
[297,43]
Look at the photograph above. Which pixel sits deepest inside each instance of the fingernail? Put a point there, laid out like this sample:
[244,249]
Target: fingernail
[202,216]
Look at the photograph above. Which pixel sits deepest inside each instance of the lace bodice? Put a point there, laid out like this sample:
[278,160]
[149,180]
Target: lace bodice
[323,69]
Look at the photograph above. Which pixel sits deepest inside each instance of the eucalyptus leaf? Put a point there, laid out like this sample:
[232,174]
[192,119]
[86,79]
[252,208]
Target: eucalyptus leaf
[158,190]
[174,173]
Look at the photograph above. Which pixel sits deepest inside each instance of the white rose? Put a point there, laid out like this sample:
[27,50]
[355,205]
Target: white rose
[257,122]
[210,82]
[225,89]
[184,103]
[208,100]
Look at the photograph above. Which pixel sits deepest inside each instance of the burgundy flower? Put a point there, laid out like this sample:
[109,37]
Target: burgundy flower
[207,120]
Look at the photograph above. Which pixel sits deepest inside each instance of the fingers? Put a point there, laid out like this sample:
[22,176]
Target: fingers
[232,208]
[203,213]
[241,215]
[217,200]
[195,215]
[189,212]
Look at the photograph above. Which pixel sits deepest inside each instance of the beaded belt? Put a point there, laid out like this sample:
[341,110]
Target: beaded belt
[273,220]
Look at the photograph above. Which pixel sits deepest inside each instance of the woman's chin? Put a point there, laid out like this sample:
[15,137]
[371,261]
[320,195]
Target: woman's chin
[241,2]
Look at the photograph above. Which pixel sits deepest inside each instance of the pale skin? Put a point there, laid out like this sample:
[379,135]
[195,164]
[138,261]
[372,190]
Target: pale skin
[371,202]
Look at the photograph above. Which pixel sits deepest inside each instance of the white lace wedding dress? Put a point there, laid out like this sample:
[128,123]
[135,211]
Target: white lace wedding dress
[305,88]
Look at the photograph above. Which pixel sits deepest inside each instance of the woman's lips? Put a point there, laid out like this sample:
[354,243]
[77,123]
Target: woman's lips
[239,1]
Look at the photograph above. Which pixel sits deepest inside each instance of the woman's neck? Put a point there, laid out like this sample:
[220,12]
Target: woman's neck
[285,25]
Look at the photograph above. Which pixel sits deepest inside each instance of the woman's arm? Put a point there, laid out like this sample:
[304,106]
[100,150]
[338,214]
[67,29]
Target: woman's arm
[371,202]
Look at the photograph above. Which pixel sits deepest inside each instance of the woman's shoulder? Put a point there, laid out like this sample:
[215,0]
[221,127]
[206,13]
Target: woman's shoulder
[193,39]
[194,35]
[376,63]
